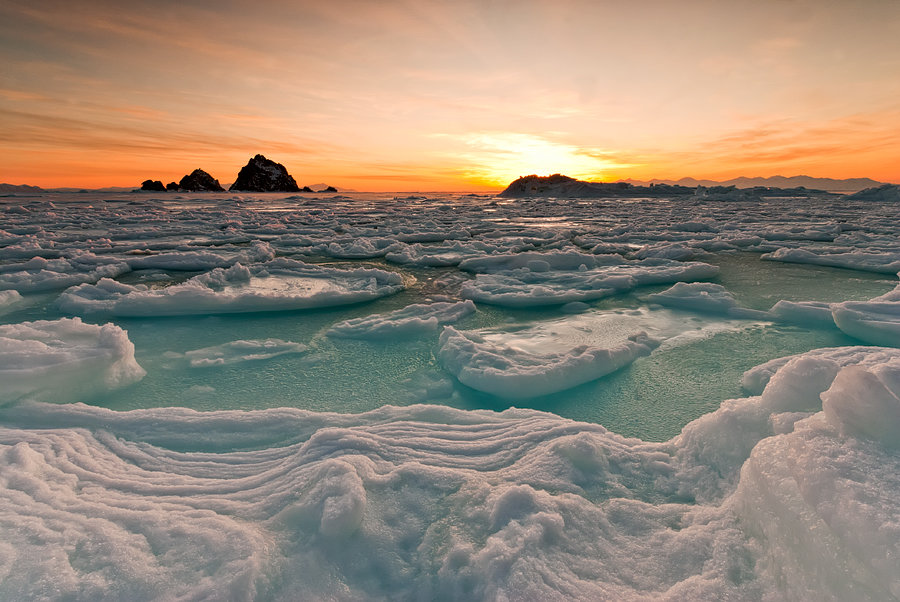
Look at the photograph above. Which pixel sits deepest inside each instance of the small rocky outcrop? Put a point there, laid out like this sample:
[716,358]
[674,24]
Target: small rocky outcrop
[264,175]
[173,186]
[200,181]
[306,189]
[329,189]
[153,186]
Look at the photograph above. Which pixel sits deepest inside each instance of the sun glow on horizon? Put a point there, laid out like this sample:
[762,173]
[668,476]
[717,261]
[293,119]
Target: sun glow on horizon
[498,158]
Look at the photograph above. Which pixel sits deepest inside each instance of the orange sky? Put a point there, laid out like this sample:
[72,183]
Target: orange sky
[438,95]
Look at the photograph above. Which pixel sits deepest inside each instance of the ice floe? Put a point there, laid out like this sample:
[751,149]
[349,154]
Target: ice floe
[237,352]
[514,373]
[278,285]
[64,360]
[412,319]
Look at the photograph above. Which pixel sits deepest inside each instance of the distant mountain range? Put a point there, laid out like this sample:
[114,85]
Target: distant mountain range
[829,184]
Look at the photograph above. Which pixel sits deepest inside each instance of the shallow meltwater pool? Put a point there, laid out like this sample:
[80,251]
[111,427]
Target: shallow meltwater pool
[304,397]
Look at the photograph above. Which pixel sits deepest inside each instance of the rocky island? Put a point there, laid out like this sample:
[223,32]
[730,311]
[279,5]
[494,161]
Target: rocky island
[560,186]
[264,175]
[200,181]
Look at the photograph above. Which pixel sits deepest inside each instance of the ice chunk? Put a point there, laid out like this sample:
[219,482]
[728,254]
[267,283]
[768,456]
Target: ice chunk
[278,285]
[39,274]
[556,260]
[538,282]
[704,297]
[203,260]
[803,312]
[875,322]
[885,263]
[529,288]
[235,352]
[64,360]
[356,248]
[822,500]
[756,379]
[409,320]
[863,402]
[9,300]
[439,255]
[518,374]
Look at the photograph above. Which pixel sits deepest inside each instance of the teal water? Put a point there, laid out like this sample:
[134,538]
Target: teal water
[652,399]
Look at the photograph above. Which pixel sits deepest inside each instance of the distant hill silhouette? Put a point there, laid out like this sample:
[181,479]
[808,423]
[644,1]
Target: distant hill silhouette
[829,184]
[13,188]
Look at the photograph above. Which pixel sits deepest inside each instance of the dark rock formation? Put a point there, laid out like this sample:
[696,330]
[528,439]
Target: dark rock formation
[153,186]
[306,189]
[329,189]
[263,175]
[173,186]
[200,181]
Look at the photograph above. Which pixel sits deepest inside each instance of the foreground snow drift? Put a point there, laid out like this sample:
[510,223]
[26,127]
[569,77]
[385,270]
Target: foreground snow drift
[274,286]
[64,360]
[768,497]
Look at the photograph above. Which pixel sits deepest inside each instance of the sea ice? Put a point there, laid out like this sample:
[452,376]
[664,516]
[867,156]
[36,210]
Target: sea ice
[64,360]
[282,284]
[236,352]
[409,320]
[517,374]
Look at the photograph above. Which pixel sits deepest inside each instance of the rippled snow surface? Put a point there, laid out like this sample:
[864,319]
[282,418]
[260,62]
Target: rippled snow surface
[276,397]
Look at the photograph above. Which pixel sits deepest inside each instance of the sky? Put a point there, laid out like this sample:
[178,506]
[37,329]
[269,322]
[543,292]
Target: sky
[447,95]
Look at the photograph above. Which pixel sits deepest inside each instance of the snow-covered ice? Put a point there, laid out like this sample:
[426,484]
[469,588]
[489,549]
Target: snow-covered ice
[274,286]
[413,319]
[64,360]
[247,447]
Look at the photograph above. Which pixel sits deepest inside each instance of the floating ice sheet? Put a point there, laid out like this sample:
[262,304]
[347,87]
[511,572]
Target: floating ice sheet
[237,352]
[274,286]
[410,320]
[559,354]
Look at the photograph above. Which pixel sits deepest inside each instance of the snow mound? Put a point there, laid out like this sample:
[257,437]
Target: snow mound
[64,360]
[409,320]
[278,285]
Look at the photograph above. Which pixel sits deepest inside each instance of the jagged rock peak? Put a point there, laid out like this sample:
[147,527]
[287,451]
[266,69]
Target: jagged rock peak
[264,175]
[153,186]
[200,181]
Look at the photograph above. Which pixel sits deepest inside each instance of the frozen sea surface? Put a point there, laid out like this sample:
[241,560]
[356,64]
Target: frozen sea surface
[435,397]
